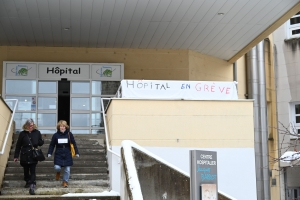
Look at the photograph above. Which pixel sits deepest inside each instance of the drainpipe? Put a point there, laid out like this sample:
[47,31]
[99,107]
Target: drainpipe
[263,118]
[235,75]
[257,92]
[252,82]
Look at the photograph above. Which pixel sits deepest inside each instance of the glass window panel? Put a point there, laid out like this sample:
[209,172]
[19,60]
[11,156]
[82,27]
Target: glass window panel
[97,120]
[80,120]
[24,103]
[297,109]
[295,20]
[20,87]
[80,103]
[46,103]
[43,131]
[80,87]
[96,104]
[96,87]
[20,118]
[98,131]
[110,87]
[47,87]
[48,119]
[295,32]
[297,119]
[80,131]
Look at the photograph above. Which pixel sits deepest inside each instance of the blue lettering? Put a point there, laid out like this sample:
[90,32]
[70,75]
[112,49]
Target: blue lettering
[208,177]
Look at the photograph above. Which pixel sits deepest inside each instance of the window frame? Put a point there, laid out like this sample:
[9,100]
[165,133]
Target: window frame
[295,127]
[292,27]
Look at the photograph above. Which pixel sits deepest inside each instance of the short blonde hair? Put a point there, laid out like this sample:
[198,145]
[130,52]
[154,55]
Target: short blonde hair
[27,123]
[62,123]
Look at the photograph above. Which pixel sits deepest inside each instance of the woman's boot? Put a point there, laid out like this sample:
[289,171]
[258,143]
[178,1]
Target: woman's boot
[27,185]
[32,188]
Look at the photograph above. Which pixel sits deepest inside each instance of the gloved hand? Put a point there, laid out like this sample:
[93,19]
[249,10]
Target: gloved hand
[49,155]
[77,155]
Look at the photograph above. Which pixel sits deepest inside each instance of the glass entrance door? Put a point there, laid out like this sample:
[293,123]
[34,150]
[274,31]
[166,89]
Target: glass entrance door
[47,102]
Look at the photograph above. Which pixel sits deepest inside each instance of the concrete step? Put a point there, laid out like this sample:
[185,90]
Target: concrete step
[59,190]
[88,174]
[81,151]
[77,163]
[57,184]
[51,176]
[77,136]
[81,196]
[45,170]
[83,144]
[86,157]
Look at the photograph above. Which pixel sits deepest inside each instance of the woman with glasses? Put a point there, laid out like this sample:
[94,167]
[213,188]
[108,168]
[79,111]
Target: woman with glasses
[28,139]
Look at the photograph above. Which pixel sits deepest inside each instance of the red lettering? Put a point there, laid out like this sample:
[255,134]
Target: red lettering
[227,90]
[198,88]
[221,90]
[206,88]
[212,88]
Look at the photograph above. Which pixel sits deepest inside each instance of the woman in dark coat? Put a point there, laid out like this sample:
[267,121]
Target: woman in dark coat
[63,157]
[30,137]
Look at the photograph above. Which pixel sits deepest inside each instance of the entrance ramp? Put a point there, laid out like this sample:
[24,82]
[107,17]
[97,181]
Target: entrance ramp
[88,179]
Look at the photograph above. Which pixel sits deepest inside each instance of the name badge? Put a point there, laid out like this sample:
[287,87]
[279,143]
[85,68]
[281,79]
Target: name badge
[62,141]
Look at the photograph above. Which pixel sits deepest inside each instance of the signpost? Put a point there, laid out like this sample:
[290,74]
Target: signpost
[204,175]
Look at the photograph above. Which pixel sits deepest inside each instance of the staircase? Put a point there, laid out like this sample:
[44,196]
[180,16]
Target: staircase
[88,173]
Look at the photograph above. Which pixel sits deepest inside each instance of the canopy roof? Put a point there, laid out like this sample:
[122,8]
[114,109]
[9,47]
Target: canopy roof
[225,29]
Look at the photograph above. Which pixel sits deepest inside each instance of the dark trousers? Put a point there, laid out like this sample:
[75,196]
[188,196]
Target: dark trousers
[29,172]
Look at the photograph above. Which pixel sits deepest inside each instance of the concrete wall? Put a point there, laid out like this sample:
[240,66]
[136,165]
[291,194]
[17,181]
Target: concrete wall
[5,116]
[170,129]
[287,61]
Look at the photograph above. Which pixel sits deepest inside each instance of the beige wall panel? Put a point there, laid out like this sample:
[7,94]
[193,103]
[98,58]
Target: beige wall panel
[3,128]
[242,77]
[182,127]
[207,68]
[171,108]
[196,143]
[222,123]
[138,63]
[5,112]
[5,115]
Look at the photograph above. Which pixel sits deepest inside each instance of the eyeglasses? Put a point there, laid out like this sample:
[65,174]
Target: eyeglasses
[31,125]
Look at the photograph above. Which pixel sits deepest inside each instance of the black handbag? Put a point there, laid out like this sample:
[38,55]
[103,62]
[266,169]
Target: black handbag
[37,154]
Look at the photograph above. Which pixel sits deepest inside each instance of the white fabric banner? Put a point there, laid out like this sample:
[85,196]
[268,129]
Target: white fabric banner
[193,90]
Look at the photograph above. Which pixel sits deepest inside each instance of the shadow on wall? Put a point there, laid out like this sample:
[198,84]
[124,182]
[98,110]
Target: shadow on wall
[160,181]
[293,43]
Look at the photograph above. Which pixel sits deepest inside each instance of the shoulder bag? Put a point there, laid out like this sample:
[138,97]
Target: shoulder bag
[71,146]
[37,153]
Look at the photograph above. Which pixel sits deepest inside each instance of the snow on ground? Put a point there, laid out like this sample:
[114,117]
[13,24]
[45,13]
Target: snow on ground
[98,194]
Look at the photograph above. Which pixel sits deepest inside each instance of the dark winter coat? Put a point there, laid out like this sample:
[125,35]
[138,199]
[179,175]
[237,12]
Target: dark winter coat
[24,148]
[62,155]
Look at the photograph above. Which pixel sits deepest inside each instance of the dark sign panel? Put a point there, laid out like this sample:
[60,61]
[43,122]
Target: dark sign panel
[204,175]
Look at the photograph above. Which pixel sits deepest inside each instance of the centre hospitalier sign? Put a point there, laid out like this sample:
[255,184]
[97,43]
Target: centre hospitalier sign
[189,90]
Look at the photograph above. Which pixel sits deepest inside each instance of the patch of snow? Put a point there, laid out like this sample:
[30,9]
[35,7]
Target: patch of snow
[290,156]
[97,194]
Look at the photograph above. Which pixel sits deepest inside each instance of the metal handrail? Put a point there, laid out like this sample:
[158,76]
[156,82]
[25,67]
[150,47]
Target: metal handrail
[10,123]
[108,147]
